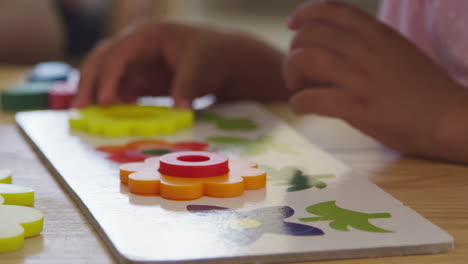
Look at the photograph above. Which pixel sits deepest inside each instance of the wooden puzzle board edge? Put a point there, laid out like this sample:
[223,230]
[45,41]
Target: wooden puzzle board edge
[32,126]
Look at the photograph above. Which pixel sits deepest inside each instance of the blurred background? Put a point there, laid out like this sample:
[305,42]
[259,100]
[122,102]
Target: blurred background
[42,30]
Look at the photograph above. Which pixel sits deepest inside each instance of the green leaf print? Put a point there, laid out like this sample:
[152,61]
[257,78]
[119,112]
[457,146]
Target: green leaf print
[343,218]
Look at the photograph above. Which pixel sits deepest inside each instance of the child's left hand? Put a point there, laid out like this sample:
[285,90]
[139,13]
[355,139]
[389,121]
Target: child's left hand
[345,64]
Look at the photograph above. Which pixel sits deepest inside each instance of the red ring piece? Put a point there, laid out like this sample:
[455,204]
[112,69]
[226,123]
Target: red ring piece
[193,164]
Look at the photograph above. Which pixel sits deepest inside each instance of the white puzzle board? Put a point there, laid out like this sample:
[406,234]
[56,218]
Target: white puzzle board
[263,226]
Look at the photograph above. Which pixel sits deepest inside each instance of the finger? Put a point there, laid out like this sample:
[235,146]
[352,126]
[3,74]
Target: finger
[335,39]
[325,101]
[339,14]
[186,80]
[142,46]
[112,74]
[317,65]
[89,72]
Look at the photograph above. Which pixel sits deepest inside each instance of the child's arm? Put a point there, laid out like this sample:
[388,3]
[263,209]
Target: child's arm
[376,80]
[160,58]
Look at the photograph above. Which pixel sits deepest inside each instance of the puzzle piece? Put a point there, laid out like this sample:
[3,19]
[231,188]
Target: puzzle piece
[5,176]
[17,195]
[17,221]
[189,175]
[61,95]
[130,120]
[139,150]
[26,96]
[50,71]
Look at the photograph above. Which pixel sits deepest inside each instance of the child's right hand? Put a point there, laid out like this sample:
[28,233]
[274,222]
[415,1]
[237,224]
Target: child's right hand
[376,80]
[163,58]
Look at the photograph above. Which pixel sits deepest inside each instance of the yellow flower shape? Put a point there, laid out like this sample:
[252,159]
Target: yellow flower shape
[188,175]
[17,221]
[130,120]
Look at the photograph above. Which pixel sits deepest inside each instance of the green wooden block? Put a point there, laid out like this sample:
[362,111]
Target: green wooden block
[28,96]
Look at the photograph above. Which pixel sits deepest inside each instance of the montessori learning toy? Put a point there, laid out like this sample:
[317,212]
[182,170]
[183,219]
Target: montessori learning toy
[48,85]
[188,175]
[130,120]
[17,219]
[213,205]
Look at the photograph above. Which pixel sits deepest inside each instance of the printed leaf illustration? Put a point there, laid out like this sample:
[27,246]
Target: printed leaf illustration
[243,124]
[296,179]
[248,147]
[342,218]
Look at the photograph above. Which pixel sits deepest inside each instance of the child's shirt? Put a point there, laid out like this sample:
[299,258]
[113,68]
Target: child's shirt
[439,27]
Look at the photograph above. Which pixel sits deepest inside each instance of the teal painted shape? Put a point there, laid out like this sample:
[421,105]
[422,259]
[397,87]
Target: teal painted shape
[299,182]
[296,179]
[222,123]
[343,218]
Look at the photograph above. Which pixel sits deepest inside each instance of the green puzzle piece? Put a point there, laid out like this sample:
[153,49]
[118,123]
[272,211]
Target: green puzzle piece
[342,218]
[27,96]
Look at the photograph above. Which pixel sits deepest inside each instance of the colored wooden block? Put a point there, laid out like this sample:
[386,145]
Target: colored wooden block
[17,195]
[61,95]
[17,221]
[5,176]
[130,120]
[189,175]
[26,96]
[139,150]
[50,72]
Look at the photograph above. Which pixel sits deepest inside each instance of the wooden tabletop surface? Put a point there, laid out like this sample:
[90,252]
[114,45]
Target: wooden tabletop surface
[438,191]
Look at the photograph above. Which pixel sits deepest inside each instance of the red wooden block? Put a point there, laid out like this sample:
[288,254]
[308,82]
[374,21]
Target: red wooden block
[61,95]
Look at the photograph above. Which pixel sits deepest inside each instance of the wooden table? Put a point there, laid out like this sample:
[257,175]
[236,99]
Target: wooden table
[438,191]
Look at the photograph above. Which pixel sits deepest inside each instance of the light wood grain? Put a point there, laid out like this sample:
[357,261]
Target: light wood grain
[438,191]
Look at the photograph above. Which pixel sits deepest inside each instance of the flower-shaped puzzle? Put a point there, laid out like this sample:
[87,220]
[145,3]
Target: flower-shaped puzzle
[139,150]
[130,120]
[17,221]
[188,175]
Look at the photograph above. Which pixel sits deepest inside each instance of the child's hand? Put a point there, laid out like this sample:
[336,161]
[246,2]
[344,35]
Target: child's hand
[345,64]
[182,61]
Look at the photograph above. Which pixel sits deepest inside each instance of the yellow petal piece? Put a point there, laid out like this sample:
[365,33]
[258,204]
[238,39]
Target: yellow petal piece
[16,223]
[17,195]
[5,176]
[130,120]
